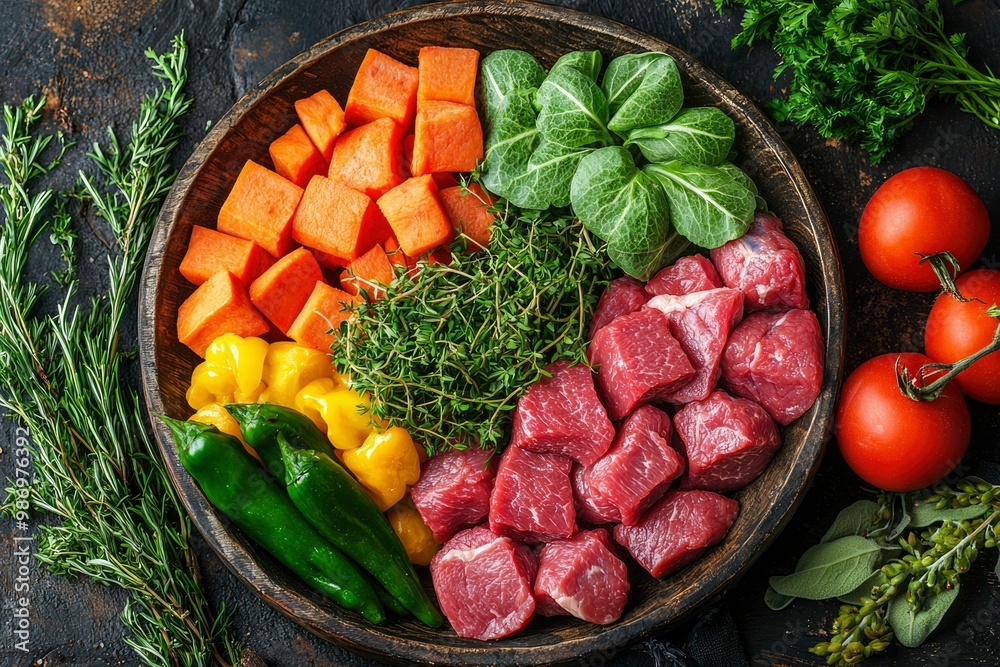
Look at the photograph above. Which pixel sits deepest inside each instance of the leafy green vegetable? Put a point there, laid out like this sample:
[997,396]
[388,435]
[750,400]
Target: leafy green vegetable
[642,90]
[587,62]
[912,624]
[700,135]
[572,109]
[509,146]
[830,569]
[865,69]
[505,71]
[855,519]
[707,205]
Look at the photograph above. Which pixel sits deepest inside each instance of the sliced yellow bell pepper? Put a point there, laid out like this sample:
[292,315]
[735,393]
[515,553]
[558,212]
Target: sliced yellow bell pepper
[385,464]
[342,412]
[231,373]
[216,415]
[417,538]
[290,367]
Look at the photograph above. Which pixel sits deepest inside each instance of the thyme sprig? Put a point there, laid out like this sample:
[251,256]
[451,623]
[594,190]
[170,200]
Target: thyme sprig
[119,520]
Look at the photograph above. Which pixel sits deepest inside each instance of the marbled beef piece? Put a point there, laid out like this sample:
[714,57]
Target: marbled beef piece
[562,414]
[701,322]
[532,498]
[623,296]
[765,265]
[483,583]
[454,491]
[776,359]
[678,529]
[694,273]
[638,360]
[582,577]
[728,442]
[591,506]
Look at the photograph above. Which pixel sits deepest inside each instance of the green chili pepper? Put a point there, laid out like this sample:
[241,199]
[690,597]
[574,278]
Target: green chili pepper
[234,483]
[262,422]
[337,505]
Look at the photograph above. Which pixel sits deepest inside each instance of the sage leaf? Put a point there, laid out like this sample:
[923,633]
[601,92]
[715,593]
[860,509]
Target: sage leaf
[625,207]
[572,109]
[923,514]
[775,601]
[642,90]
[700,135]
[864,589]
[831,569]
[510,142]
[707,205]
[586,62]
[996,570]
[505,71]
[855,519]
[912,626]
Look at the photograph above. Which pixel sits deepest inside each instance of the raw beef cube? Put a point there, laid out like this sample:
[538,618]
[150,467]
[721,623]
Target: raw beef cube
[640,465]
[776,359]
[728,442]
[483,584]
[678,529]
[454,491]
[693,273]
[562,414]
[765,265]
[623,296]
[638,361]
[591,506]
[532,498]
[581,577]
[701,323]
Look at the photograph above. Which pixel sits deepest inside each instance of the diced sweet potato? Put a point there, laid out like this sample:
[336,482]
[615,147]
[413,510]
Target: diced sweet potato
[383,88]
[468,213]
[328,261]
[283,289]
[296,158]
[416,216]
[339,221]
[445,179]
[323,120]
[210,251]
[221,305]
[447,137]
[260,208]
[395,253]
[367,272]
[370,158]
[408,151]
[326,308]
[447,74]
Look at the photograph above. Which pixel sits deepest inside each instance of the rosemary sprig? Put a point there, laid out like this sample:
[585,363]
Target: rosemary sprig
[119,520]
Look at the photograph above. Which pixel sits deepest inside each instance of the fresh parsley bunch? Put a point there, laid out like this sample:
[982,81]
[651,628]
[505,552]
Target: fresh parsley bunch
[864,69]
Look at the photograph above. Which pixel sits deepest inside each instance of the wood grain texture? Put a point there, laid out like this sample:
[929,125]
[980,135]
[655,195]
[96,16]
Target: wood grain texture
[266,111]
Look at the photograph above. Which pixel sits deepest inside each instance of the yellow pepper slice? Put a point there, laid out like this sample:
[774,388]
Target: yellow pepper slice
[417,538]
[288,368]
[385,464]
[342,412]
[231,373]
[216,415]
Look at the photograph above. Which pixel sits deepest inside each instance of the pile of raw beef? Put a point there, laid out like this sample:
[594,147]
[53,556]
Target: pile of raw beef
[739,321]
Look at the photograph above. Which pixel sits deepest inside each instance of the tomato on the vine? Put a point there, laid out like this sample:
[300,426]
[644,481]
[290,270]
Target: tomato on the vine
[892,441]
[921,210]
[958,329]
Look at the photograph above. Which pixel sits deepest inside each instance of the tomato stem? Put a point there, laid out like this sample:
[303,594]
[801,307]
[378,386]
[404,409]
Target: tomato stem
[946,268]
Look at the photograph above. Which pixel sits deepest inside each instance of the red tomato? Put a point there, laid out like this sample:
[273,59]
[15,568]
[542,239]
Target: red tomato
[921,210]
[957,329]
[894,442]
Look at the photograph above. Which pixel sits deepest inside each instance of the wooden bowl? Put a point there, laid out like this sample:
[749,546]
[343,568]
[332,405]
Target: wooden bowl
[547,32]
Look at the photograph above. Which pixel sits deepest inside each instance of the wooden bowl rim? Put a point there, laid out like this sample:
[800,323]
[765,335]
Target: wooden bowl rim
[373,640]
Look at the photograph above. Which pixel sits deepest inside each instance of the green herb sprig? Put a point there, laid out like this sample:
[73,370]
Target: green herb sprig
[447,354]
[118,519]
[865,69]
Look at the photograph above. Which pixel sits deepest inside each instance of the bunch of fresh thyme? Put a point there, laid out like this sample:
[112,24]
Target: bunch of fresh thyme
[864,69]
[119,520]
[447,354]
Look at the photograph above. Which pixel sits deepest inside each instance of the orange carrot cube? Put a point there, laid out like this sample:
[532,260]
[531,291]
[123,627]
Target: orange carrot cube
[447,137]
[328,261]
[260,208]
[445,179]
[408,151]
[370,158]
[296,158]
[323,120]
[371,272]
[469,213]
[326,308]
[416,216]
[383,88]
[447,74]
[283,289]
[339,221]
[221,305]
[395,254]
[210,251]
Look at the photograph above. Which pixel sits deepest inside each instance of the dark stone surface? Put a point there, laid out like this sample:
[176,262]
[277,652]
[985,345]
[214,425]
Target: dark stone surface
[87,56]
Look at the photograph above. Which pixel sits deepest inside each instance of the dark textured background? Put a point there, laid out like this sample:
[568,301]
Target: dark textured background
[86,55]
